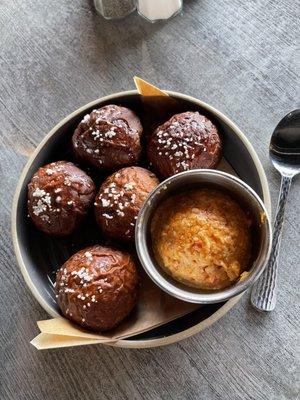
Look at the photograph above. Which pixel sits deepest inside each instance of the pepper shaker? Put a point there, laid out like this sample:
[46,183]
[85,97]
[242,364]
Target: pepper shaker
[155,10]
[114,9]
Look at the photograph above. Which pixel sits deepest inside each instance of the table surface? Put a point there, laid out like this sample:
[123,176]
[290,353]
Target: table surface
[236,55]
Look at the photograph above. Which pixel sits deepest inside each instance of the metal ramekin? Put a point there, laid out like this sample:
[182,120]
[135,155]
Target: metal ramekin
[190,180]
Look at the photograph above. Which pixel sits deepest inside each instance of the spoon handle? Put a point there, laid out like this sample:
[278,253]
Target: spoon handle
[263,296]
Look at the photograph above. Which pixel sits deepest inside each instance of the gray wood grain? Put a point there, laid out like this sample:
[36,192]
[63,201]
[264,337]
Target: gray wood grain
[240,56]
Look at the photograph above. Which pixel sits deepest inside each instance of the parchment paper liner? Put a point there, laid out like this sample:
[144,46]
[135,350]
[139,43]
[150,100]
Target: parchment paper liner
[154,308]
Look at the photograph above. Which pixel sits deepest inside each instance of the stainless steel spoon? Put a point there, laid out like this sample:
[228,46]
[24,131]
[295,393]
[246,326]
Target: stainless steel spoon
[285,155]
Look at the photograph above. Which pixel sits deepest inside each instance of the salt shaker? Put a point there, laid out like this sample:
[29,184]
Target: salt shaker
[155,10]
[113,9]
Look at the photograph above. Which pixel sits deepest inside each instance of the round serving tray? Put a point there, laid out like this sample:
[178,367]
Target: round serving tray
[39,255]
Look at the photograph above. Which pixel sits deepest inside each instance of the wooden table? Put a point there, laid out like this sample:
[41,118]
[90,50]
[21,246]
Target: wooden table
[237,55]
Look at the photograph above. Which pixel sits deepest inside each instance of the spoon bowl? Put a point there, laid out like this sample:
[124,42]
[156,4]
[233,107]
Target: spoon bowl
[285,145]
[285,156]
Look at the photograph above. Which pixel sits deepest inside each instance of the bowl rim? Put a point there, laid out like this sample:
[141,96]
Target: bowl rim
[51,311]
[150,266]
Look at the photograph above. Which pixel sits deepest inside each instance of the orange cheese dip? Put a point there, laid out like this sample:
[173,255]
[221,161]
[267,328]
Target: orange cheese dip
[202,238]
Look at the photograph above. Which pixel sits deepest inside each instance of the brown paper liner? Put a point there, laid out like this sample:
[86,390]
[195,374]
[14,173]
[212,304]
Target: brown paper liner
[157,105]
[45,341]
[155,308]
[146,89]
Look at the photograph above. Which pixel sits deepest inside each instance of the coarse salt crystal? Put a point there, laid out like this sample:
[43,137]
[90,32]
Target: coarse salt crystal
[86,118]
[96,134]
[69,290]
[89,255]
[110,134]
[129,186]
[38,192]
[105,202]
[107,216]
[178,154]
[39,208]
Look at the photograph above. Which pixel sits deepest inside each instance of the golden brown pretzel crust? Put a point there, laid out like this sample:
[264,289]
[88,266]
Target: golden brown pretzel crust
[108,138]
[59,195]
[120,199]
[186,141]
[97,287]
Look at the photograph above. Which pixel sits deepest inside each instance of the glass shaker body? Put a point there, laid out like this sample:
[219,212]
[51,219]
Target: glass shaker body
[157,10]
[114,9]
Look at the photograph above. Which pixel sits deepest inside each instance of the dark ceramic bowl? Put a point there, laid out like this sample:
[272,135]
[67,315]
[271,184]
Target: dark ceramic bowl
[39,255]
